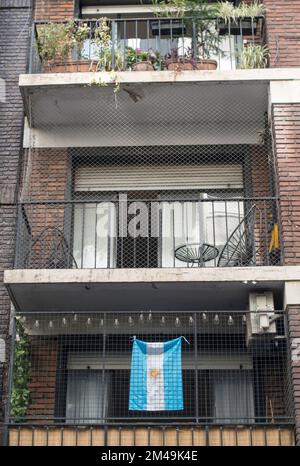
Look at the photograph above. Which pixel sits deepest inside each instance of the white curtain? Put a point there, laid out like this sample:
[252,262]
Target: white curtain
[196,222]
[180,224]
[233,397]
[95,235]
[220,219]
[87,392]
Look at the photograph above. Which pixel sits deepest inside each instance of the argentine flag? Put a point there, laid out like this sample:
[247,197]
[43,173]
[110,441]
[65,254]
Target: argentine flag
[156,376]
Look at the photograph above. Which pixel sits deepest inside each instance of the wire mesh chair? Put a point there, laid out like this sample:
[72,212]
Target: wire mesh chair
[50,250]
[195,253]
[238,250]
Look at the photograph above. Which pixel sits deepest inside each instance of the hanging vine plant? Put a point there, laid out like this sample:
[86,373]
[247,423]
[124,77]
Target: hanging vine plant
[20,398]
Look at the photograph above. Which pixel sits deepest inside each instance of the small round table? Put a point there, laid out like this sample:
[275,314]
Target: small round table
[195,253]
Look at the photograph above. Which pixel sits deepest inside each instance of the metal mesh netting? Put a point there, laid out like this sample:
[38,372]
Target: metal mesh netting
[78,367]
[170,166]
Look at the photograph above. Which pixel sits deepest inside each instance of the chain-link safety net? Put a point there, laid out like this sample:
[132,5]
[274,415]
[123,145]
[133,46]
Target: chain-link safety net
[154,175]
[76,368]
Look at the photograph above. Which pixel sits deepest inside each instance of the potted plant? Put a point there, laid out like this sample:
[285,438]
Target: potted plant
[198,16]
[253,56]
[138,60]
[56,43]
[187,62]
[80,33]
[236,19]
[109,58]
[175,62]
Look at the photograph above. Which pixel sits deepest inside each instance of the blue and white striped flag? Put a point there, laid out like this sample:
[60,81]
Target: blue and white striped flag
[156,376]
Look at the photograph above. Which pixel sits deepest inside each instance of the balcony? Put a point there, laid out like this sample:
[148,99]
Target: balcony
[162,223]
[141,44]
[119,232]
[185,157]
[173,82]
[236,386]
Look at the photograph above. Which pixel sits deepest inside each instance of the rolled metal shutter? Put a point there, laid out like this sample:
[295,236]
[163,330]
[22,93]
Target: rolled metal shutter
[158,177]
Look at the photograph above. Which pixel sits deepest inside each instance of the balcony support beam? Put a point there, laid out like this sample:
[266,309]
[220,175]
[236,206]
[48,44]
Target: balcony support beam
[167,275]
[125,290]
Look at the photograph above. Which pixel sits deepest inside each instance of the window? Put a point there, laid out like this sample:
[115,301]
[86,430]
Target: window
[171,205]
[96,395]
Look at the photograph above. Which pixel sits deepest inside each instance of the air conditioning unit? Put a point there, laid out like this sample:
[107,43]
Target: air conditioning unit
[261,320]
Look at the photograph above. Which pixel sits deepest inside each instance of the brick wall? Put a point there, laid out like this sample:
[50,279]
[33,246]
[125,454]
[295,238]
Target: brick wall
[15,18]
[283,34]
[260,182]
[286,128]
[43,360]
[44,175]
[54,9]
[44,178]
[293,312]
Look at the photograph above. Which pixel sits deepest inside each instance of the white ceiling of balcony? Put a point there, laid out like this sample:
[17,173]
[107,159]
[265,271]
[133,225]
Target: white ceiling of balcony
[126,297]
[146,114]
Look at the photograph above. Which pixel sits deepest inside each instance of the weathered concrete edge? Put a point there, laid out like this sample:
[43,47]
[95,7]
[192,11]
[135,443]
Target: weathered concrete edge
[130,77]
[228,274]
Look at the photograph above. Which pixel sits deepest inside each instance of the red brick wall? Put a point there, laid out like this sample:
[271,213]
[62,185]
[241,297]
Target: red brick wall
[261,187]
[283,32]
[286,128]
[45,174]
[54,9]
[294,336]
[45,180]
[43,359]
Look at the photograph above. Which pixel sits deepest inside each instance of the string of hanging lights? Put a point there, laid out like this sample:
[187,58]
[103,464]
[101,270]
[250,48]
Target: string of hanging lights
[67,322]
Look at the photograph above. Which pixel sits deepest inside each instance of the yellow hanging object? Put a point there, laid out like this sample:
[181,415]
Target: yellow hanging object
[274,243]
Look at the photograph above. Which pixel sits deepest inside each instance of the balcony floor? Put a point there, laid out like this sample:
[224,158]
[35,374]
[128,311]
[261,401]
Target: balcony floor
[134,289]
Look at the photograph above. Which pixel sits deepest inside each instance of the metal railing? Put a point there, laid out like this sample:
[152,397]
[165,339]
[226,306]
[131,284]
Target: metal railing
[146,44]
[138,233]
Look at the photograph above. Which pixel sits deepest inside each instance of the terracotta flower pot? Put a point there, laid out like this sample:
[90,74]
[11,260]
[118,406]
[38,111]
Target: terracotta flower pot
[143,66]
[180,66]
[188,65]
[206,65]
[80,66]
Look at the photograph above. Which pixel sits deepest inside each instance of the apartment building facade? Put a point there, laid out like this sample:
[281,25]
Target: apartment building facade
[155,195]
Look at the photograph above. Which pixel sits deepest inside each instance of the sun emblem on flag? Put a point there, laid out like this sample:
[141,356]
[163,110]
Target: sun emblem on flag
[154,373]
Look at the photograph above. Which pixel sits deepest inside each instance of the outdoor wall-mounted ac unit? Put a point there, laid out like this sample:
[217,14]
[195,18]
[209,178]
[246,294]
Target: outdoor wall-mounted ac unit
[261,318]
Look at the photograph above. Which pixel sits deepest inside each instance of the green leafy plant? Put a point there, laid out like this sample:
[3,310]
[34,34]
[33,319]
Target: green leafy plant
[108,60]
[198,14]
[207,37]
[55,41]
[251,10]
[133,56]
[227,11]
[79,33]
[20,397]
[254,56]
[170,8]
